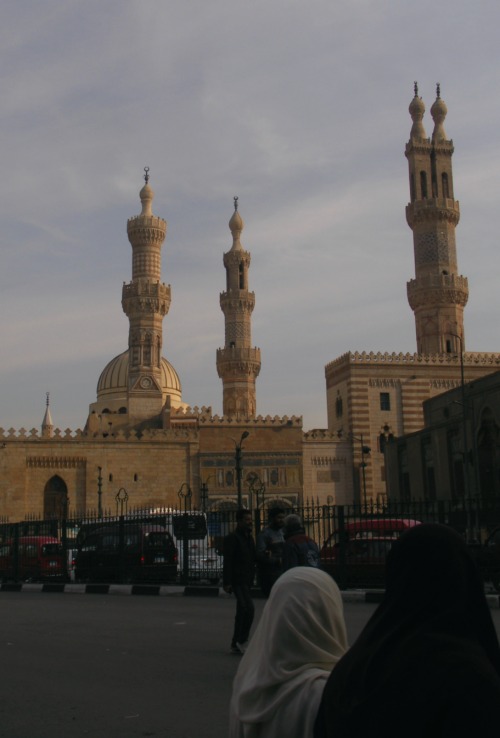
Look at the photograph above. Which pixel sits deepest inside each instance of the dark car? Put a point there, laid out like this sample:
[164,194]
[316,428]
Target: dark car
[355,555]
[131,553]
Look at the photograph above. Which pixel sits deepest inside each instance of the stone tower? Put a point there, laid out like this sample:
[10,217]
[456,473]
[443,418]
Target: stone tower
[438,294]
[145,301]
[238,364]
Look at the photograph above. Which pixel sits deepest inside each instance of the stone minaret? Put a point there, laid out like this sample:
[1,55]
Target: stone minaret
[238,364]
[145,301]
[438,294]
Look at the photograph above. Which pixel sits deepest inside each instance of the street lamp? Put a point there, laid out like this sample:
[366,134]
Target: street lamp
[238,448]
[365,451]
[204,492]
[465,456]
[185,497]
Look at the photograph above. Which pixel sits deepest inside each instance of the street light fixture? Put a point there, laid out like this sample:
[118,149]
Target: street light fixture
[238,449]
[365,451]
[465,456]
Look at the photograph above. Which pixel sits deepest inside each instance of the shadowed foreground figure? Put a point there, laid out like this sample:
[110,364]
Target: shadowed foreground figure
[428,661]
[300,637]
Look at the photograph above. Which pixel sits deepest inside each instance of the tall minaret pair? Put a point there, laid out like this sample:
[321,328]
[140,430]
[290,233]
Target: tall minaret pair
[238,364]
[438,294]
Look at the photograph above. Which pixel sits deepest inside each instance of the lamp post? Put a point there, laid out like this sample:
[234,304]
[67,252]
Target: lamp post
[185,500]
[365,451]
[204,493]
[465,456]
[99,492]
[238,447]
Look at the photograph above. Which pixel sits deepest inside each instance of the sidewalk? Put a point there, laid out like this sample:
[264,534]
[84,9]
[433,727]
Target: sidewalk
[191,590]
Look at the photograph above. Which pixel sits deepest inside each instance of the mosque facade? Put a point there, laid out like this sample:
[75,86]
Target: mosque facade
[142,446]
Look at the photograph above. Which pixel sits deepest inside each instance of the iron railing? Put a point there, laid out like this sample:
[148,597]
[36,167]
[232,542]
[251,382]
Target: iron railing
[168,546]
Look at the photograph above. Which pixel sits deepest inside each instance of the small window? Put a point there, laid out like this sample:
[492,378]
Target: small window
[385,401]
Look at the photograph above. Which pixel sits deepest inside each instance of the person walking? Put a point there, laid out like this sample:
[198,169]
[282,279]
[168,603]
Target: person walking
[299,548]
[300,637]
[428,661]
[238,576]
[270,542]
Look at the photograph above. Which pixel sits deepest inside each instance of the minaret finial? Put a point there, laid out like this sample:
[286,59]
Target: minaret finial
[47,396]
[235,198]
[438,90]
[146,174]
[415,87]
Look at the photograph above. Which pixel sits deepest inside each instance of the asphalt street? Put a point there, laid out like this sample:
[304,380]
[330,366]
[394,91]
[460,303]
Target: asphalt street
[110,666]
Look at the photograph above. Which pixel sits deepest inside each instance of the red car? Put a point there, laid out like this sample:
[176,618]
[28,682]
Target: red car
[355,556]
[38,558]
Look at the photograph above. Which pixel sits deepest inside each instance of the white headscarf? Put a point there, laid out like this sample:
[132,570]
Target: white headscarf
[299,639]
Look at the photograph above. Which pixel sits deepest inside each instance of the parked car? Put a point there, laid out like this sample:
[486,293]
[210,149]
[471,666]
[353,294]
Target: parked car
[205,564]
[355,555]
[37,558]
[145,553]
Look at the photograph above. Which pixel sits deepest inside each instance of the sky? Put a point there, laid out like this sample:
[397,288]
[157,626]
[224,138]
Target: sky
[298,108]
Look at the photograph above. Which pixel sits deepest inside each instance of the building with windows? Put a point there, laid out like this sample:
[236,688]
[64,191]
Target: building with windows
[373,398]
[456,455]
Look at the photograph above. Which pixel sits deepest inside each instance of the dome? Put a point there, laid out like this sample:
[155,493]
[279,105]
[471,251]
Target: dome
[113,382]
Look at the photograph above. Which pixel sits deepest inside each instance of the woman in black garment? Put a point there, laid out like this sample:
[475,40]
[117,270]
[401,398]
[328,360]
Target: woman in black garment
[428,661]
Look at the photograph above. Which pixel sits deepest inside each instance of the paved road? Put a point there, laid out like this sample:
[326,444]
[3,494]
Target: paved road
[111,666]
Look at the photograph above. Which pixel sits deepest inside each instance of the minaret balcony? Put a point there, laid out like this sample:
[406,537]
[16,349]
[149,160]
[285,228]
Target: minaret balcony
[434,289]
[432,209]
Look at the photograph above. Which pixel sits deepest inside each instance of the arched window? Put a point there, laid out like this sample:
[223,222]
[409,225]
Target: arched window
[55,498]
[423,184]
[444,185]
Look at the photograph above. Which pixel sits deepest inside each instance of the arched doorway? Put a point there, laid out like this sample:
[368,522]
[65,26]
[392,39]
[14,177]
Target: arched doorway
[55,498]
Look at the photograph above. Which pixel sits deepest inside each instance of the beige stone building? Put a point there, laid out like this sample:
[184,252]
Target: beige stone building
[142,445]
[375,397]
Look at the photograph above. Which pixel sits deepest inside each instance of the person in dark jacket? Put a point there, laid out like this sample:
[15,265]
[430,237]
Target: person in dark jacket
[270,542]
[299,549]
[428,661]
[238,576]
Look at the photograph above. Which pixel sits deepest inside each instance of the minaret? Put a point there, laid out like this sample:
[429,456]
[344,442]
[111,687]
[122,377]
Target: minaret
[145,301]
[47,424]
[438,294]
[238,365]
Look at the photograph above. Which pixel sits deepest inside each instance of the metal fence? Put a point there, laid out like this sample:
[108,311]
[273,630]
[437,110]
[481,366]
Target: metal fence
[172,546]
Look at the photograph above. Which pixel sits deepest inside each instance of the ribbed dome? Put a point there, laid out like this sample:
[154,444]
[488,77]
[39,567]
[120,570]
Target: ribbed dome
[113,382]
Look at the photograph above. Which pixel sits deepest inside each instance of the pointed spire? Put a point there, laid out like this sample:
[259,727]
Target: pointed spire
[146,195]
[47,424]
[438,112]
[417,110]
[236,225]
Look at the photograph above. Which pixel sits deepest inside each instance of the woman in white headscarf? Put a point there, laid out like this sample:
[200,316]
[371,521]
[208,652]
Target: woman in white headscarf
[299,639]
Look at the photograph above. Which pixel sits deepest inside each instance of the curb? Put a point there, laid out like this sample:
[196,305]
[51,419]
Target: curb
[372,596]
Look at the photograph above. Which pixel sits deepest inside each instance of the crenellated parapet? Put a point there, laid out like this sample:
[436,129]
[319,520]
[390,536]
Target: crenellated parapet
[154,435]
[371,357]
[260,420]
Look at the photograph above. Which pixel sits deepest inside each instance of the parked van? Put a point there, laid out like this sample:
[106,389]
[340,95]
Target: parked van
[125,552]
[355,555]
[37,558]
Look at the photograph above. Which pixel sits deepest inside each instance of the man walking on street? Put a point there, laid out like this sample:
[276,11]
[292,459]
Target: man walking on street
[238,576]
